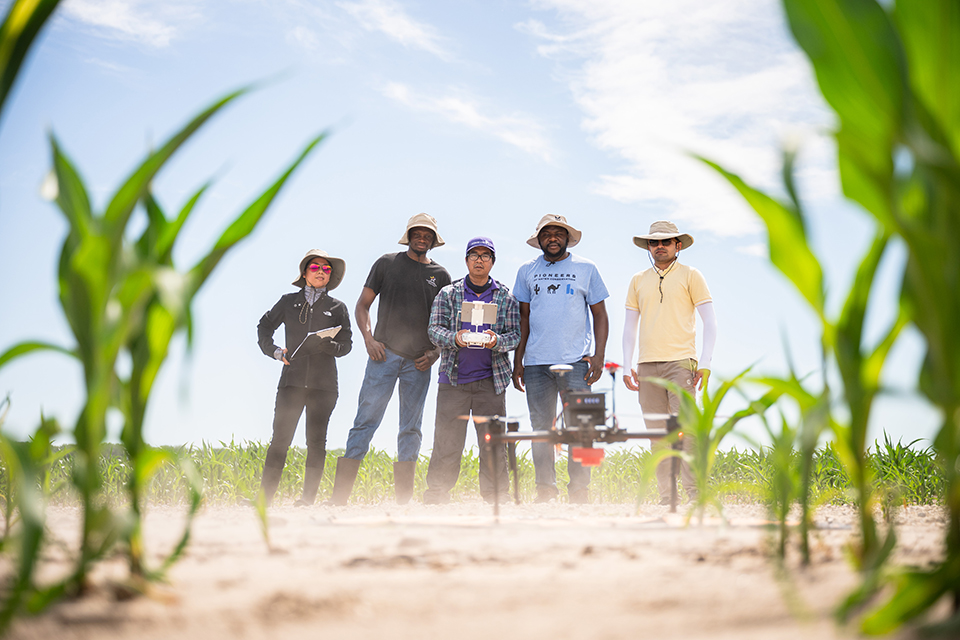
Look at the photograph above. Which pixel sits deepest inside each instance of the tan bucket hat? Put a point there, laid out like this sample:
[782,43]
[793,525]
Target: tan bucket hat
[662,230]
[338,265]
[553,220]
[427,222]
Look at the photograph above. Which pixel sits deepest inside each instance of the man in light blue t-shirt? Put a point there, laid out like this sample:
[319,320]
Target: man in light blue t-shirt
[559,294]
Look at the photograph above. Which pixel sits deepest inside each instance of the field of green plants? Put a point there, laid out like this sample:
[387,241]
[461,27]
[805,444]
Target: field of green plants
[230,472]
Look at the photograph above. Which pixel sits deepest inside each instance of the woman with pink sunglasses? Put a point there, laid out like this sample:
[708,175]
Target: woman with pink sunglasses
[317,330]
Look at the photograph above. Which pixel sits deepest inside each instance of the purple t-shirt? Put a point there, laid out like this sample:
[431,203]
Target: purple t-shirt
[473,364]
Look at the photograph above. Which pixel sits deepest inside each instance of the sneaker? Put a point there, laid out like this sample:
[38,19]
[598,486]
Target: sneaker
[665,502]
[546,493]
[302,503]
[580,496]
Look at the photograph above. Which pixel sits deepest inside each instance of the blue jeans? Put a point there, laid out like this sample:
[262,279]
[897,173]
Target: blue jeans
[542,389]
[379,381]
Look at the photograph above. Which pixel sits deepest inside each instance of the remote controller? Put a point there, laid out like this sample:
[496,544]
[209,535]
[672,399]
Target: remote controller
[476,338]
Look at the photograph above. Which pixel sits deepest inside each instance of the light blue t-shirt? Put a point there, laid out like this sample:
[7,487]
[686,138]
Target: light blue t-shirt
[560,295]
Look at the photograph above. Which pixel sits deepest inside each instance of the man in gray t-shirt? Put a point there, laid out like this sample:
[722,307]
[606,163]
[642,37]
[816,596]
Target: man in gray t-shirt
[559,295]
[400,354]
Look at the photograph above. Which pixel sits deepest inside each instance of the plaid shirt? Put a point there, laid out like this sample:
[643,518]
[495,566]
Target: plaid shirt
[445,322]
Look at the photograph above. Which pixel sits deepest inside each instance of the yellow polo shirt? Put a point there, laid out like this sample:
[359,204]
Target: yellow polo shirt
[668,329]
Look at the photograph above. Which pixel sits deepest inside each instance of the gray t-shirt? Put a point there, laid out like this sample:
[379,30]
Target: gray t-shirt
[560,295]
[406,289]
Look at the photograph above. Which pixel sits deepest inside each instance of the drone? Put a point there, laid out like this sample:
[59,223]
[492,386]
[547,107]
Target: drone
[584,416]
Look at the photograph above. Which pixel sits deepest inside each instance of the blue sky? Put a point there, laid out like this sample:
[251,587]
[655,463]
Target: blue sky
[486,114]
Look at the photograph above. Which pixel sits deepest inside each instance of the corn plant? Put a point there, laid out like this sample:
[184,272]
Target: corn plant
[124,296]
[700,424]
[891,76]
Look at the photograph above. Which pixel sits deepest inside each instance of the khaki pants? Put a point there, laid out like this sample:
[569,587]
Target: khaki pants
[656,399]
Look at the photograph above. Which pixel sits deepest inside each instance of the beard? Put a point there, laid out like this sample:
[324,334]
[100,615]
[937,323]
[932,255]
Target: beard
[553,256]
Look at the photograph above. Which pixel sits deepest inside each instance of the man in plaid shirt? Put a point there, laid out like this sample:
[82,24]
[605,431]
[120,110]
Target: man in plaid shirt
[473,378]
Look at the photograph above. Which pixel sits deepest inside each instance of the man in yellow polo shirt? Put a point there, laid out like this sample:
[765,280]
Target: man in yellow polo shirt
[663,299]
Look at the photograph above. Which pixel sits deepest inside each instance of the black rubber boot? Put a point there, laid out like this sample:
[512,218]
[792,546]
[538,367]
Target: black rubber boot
[269,482]
[311,483]
[403,474]
[346,475]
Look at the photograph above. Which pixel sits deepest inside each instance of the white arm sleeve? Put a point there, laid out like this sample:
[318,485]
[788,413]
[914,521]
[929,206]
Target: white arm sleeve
[709,318]
[630,325]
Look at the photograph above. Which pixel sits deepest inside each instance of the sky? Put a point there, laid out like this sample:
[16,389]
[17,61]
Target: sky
[486,114]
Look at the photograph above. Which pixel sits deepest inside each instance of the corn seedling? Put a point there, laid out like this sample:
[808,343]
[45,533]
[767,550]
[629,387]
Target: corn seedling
[700,425]
[125,297]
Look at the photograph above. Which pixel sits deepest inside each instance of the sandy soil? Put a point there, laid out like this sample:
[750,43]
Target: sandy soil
[544,571]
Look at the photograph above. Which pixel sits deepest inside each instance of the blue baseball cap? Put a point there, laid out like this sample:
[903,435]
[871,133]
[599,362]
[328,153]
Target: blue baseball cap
[480,241]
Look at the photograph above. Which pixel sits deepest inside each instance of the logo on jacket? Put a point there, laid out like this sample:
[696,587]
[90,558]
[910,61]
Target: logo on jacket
[432,281]
[536,289]
[327,313]
[553,288]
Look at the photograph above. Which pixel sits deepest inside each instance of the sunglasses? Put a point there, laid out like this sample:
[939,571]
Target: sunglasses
[656,243]
[320,267]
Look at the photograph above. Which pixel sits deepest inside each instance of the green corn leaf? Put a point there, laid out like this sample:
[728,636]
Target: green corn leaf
[859,64]
[873,364]
[849,328]
[866,175]
[195,494]
[150,349]
[791,388]
[166,240]
[931,37]
[156,226]
[786,173]
[789,250]
[148,461]
[31,346]
[244,224]
[72,196]
[916,592]
[125,199]
[20,27]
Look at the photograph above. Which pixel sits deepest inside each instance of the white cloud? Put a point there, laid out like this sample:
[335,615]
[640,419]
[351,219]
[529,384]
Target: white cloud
[152,24]
[110,66]
[304,37]
[656,80]
[388,17]
[757,249]
[517,130]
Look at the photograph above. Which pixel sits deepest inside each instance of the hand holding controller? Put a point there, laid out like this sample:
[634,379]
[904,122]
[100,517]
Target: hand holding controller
[476,339]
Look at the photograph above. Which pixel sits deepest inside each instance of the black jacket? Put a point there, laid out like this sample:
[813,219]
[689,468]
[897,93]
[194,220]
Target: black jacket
[317,369]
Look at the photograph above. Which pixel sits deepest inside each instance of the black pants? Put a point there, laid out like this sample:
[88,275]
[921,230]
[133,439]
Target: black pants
[291,401]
